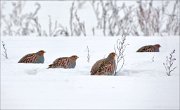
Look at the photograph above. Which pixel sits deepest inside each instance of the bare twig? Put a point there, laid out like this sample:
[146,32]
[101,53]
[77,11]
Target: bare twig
[57,29]
[38,26]
[18,23]
[153,59]
[173,25]
[93,31]
[169,63]
[5,50]
[71,18]
[88,55]
[80,25]
[77,27]
[119,49]
[110,21]
[96,6]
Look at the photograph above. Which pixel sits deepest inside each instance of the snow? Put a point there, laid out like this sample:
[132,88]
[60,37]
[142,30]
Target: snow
[141,84]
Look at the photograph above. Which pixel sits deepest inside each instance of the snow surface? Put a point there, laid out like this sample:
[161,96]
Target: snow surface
[141,84]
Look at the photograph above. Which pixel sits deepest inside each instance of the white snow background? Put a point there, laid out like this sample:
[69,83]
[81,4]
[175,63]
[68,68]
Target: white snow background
[141,84]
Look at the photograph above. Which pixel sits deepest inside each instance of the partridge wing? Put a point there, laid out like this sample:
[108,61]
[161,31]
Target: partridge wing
[29,58]
[59,59]
[145,48]
[61,62]
[96,66]
[106,68]
[150,49]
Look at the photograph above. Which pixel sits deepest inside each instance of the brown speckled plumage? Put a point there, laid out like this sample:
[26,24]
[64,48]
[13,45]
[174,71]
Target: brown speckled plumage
[37,57]
[64,62]
[149,48]
[104,66]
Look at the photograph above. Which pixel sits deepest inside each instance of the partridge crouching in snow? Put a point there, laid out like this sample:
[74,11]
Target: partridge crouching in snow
[149,48]
[37,57]
[104,66]
[64,62]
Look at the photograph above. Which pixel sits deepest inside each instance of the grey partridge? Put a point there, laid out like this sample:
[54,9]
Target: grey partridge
[104,66]
[149,48]
[64,62]
[37,57]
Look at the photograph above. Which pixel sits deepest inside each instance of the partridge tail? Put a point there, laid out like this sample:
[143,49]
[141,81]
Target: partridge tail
[50,66]
[140,50]
[92,72]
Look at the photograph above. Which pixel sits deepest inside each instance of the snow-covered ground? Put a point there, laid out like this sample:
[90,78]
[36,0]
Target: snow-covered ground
[141,84]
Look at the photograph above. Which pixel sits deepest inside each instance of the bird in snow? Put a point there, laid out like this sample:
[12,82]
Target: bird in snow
[64,62]
[104,66]
[37,57]
[149,48]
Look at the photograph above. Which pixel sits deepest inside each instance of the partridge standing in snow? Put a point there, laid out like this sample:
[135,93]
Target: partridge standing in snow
[104,66]
[64,62]
[37,57]
[149,48]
